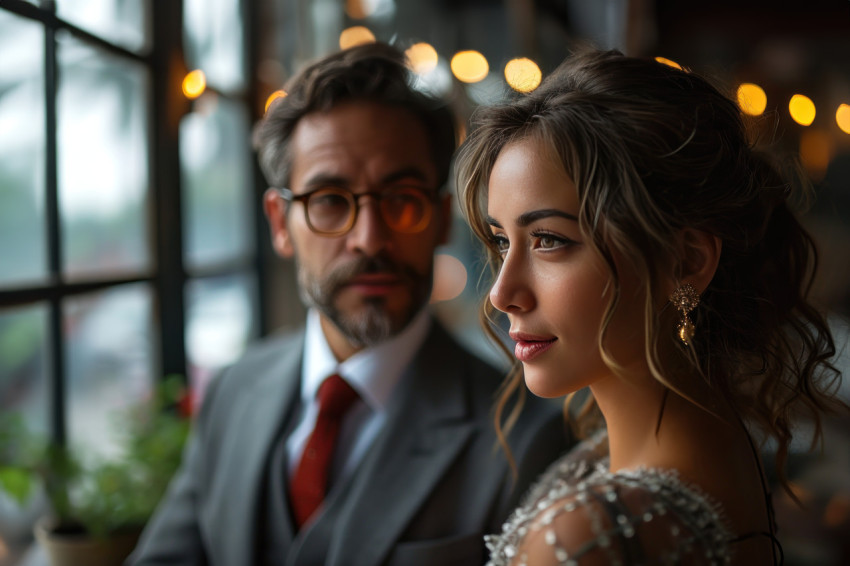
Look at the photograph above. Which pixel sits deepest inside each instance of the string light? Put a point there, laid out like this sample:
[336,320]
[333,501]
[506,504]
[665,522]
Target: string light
[802,109]
[752,99]
[469,66]
[274,96]
[669,62]
[355,35]
[423,58]
[522,74]
[842,118]
[194,84]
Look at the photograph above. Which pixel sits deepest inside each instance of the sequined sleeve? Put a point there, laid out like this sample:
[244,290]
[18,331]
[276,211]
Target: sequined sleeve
[579,514]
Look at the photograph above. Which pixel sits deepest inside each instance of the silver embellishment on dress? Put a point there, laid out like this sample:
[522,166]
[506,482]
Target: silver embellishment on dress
[614,505]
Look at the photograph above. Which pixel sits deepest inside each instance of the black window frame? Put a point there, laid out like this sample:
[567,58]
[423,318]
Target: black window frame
[168,274]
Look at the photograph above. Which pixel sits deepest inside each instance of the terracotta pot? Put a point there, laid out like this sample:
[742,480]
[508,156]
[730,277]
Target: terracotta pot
[81,549]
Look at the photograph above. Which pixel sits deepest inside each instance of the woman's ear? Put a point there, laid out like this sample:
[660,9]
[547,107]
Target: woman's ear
[700,253]
[275,209]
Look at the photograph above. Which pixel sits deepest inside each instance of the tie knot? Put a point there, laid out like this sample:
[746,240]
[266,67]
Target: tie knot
[335,396]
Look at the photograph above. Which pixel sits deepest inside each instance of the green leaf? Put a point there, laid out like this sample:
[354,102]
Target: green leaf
[16,483]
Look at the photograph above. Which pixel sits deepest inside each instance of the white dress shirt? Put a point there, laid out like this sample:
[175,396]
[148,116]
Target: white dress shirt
[372,372]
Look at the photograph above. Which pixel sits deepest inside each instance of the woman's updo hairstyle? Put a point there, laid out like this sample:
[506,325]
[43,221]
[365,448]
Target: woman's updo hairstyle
[654,150]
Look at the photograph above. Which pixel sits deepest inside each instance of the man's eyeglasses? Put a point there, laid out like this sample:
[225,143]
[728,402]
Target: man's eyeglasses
[332,211]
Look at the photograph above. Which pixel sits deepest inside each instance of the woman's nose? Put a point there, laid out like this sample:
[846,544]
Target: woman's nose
[511,292]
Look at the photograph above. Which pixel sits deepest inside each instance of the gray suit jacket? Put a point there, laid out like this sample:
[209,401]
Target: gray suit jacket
[430,486]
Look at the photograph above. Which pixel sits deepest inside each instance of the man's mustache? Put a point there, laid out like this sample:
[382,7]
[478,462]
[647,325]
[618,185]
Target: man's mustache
[344,274]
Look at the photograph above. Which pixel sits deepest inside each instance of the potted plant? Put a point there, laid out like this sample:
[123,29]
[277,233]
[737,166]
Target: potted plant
[98,507]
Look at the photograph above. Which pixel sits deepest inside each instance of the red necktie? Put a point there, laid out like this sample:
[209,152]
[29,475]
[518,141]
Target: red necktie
[310,482]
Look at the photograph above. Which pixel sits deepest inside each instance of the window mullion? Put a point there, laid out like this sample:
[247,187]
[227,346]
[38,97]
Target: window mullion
[57,400]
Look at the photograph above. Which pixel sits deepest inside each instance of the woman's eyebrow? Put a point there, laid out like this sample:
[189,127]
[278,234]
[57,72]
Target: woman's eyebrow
[527,218]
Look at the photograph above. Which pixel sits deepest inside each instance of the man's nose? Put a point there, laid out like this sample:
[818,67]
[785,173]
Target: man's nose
[370,235]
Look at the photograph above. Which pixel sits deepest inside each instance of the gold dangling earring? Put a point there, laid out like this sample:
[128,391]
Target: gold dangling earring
[686,299]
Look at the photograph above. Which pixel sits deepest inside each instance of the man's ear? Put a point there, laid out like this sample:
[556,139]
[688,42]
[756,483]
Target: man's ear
[700,253]
[275,208]
[444,209]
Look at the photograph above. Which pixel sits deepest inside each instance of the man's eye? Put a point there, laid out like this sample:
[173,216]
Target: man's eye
[329,200]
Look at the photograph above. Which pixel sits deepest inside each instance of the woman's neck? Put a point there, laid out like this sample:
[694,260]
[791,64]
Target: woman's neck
[651,426]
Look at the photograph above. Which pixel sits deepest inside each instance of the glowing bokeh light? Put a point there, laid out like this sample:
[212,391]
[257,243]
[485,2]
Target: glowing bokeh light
[802,109]
[355,35]
[842,118]
[274,96]
[194,84]
[669,62]
[423,58]
[523,74]
[469,66]
[752,99]
[358,9]
[450,278]
[816,151]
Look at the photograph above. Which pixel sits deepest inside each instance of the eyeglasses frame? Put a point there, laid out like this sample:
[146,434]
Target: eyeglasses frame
[354,201]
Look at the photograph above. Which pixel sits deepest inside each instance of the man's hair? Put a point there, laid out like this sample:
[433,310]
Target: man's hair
[376,73]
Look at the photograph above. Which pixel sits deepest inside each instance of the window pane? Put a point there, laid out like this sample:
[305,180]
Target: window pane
[221,319]
[23,364]
[103,171]
[109,361]
[22,240]
[123,22]
[214,154]
[213,41]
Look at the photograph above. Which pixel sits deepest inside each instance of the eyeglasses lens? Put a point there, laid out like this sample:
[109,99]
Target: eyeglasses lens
[331,211]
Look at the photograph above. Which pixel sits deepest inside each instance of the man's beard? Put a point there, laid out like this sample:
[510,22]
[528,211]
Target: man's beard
[372,324]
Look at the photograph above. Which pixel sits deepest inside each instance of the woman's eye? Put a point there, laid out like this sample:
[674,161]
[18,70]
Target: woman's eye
[547,242]
[500,243]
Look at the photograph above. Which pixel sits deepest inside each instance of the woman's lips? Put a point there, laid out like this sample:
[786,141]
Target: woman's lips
[529,347]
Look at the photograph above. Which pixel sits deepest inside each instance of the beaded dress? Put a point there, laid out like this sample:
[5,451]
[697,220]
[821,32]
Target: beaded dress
[586,514]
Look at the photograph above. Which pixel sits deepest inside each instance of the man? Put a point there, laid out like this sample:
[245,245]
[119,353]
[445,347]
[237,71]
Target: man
[406,469]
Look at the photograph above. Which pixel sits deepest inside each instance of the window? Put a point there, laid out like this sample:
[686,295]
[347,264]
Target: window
[128,213]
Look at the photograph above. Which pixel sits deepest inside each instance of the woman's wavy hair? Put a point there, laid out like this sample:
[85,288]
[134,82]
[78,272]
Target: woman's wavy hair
[654,150]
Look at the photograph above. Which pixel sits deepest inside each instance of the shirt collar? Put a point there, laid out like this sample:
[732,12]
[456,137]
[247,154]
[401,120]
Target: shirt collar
[372,372]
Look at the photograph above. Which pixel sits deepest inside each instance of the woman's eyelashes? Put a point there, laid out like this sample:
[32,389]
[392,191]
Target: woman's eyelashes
[500,243]
[539,240]
[543,240]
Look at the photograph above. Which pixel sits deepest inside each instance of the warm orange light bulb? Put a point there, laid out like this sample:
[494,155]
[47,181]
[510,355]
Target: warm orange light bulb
[274,96]
[450,278]
[469,66]
[355,35]
[752,99]
[423,57]
[522,74]
[842,118]
[669,62]
[194,84]
[802,109]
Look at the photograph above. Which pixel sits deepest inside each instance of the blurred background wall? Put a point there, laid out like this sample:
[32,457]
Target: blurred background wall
[132,243]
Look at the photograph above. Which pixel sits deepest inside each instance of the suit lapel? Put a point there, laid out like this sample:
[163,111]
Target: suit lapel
[425,431]
[275,395]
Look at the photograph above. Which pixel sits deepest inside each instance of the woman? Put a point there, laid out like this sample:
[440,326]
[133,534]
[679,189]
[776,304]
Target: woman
[647,252]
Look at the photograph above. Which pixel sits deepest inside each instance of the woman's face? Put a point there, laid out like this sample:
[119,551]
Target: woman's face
[552,285]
